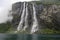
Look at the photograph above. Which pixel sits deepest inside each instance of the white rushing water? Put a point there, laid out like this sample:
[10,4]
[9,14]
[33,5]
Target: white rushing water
[22,20]
[35,22]
[26,18]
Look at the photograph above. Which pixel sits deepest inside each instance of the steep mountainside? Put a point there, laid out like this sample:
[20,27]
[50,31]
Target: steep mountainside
[47,15]
[33,17]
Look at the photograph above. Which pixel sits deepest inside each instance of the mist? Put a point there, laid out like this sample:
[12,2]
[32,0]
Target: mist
[5,7]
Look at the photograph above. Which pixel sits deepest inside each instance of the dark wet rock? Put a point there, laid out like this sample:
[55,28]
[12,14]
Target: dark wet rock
[48,15]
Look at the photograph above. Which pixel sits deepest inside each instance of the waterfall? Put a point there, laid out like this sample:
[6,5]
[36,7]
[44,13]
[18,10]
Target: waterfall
[24,22]
[35,22]
[26,18]
[20,26]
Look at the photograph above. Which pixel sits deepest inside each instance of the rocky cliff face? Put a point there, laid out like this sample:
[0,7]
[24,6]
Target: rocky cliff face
[48,15]
[51,16]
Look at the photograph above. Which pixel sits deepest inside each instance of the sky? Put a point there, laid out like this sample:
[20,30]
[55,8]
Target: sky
[5,6]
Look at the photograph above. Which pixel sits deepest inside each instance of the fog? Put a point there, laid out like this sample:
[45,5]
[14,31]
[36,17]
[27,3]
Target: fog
[5,7]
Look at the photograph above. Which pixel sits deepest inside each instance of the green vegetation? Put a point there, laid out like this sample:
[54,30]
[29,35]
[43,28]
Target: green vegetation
[7,28]
[23,32]
[58,3]
[48,2]
[48,31]
[41,31]
[4,27]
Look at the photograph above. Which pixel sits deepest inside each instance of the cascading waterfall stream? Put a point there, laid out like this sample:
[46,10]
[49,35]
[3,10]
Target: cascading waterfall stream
[26,18]
[35,22]
[22,20]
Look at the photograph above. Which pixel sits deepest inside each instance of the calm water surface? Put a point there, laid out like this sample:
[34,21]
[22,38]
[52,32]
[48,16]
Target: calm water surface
[28,37]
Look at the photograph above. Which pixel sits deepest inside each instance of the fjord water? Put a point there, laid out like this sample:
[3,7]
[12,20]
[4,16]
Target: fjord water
[28,37]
